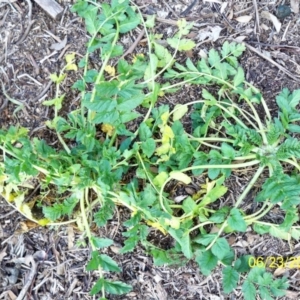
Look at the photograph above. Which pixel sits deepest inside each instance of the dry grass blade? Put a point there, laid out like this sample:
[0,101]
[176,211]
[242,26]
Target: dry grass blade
[295,6]
[281,68]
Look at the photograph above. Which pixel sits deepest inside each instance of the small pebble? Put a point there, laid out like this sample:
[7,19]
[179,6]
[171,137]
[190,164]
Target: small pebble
[283,11]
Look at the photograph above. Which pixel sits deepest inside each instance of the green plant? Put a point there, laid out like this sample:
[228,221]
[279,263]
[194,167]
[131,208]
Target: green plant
[99,149]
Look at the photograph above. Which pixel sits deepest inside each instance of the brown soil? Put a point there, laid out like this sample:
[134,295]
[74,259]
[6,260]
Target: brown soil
[27,60]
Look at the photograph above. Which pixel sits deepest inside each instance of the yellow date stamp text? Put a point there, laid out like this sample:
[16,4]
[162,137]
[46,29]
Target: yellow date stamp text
[274,262]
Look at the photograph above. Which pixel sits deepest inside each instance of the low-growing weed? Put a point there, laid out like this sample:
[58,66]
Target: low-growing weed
[83,180]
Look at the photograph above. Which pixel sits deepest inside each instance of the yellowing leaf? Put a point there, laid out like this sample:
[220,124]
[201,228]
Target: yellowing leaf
[43,222]
[79,223]
[160,179]
[107,128]
[139,56]
[208,185]
[165,117]
[18,199]
[179,111]
[110,70]
[173,222]
[150,21]
[25,209]
[179,176]
[161,93]
[57,79]
[71,67]
[70,58]
[157,226]
[70,62]
[168,134]
[163,149]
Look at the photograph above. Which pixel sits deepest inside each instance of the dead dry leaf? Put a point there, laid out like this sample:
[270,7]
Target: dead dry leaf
[1,232]
[60,45]
[273,19]
[9,293]
[3,253]
[243,19]
[223,7]
[214,1]
[71,237]
[280,272]
[292,295]
[240,38]
[295,6]
[210,33]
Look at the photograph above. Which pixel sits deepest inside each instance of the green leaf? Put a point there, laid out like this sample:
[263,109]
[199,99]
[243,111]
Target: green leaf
[166,257]
[188,205]
[105,213]
[91,76]
[79,85]
[239,77]
[91,21]
[236,221]
[242,264]
[183,239]
[230,279]
[103,261]
[205,239]
[294,99]
[150,22]
[144,132]
[59,209]
[149,147]
[279,233]
[163,55]
[220,215]
[131,21]
[213,58]
[228,258]
[57,102]
[220,248]
[112,287]
[101,242]
[227,151]
[213,195]
[206,261]
[130,244]
[249,290]
[148,196]
[181,44]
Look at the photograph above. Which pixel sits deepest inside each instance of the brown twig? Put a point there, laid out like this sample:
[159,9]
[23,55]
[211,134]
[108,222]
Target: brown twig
[275,45]
[188,9]
[43,92]
[284,70]
[257,25]
[134,44]
[30,22]
[29,279]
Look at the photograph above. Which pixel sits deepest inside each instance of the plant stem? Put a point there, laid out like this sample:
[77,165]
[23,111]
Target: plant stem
[250,219]
[217,236]
[267,111]
[249,186]
[199,225]
[105,62]
[83,198]
[230,166]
